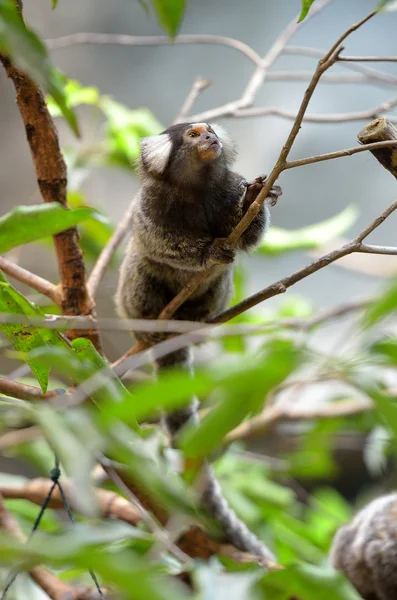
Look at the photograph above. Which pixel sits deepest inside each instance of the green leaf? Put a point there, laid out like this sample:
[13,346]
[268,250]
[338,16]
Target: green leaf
[309,582]
[82,547]
[124,130]
[281,240]
[75,95]
[306,5]
[242,392]
[82,362]
[77,444]
[382,306]
[26,338]
[54,3]
[387,5]
[29,223]
[170,14]
[30,55]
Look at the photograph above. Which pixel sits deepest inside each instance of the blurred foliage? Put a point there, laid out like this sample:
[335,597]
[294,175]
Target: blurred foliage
[382,5]
[30,55]
[290,499]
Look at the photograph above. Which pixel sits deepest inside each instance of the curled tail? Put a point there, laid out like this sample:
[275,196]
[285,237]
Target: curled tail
[235,531]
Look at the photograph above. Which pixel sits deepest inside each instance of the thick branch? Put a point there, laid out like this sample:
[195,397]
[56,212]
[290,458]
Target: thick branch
[23,391]
[34,281]
[52,179]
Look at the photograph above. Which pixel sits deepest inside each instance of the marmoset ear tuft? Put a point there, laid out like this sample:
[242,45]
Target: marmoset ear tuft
[155,152]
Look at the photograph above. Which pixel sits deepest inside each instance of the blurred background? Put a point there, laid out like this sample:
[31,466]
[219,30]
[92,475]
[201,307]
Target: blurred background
[160,78]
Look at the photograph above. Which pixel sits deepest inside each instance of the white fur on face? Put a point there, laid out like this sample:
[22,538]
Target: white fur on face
[228,143]
[156,150]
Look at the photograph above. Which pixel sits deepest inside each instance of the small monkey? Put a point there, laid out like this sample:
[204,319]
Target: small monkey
[190,201]
[365,550]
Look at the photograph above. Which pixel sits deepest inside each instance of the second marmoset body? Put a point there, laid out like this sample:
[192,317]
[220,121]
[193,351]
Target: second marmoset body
[189,203]
[365,550]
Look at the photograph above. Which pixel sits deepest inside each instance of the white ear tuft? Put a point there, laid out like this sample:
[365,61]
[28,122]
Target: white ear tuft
[155,152]
[229,146]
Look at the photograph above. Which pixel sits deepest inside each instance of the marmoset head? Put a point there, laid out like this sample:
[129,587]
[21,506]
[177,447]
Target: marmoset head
[187,151]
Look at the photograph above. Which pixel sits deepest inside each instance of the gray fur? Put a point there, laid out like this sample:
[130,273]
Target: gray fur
[185,205]
[365,550]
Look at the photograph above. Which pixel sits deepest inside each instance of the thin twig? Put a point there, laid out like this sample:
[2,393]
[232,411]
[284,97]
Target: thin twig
[34,281]
[151,40]
[372,74]
[17,437]
[198,86]
[301,162]
[324,64]
[282,285]
[106,254]
[367,58]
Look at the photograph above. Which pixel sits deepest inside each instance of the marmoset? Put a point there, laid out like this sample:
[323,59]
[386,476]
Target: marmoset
[365,550]
[190,201]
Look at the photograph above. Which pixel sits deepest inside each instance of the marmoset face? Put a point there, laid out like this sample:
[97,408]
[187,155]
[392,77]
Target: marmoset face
[201,138]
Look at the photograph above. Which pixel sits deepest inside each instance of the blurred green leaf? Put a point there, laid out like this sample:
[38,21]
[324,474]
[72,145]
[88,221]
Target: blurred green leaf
[380,308]
[54,3]
[124,129]
[82,362]
[211,581]
[76,443]
[170,14]
[281,240]
[306,4]
[30,223]
[26,338]
[82,547]
[75,95]
[30,55]
[243,392]
[387,348]
[309,582]
[95,232]
[387,5]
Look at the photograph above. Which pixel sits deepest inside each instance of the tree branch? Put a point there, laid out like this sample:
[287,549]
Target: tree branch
[23,391]
[51,174]
[34,281]
[324,64]
[372,74]
[377,131]
[367,58]
[273,415]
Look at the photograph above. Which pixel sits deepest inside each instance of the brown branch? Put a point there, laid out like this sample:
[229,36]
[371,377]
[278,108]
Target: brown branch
[301,162]
[282,285]
[51,174]
[324,64]
[47,581]
[372,74]
[23,391]
[34,281]
[378,131]
[273,415]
